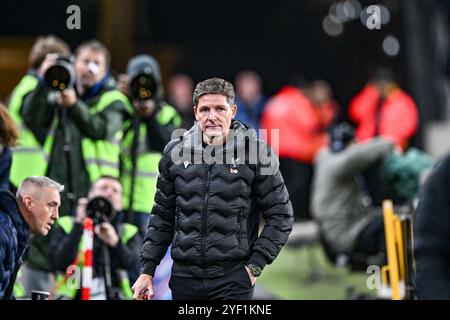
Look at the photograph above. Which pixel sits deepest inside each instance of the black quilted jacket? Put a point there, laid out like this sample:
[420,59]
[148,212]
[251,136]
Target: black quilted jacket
[210,210]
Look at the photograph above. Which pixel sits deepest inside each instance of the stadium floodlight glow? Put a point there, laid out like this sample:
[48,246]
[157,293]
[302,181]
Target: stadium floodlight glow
[391,46]
[331,27]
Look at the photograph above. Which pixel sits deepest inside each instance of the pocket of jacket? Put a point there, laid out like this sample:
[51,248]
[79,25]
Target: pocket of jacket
[247,276]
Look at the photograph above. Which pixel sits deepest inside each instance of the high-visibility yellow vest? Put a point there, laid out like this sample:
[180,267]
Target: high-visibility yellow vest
[146,164]
[18,289]
[28,158]
[101,157]
[63,289]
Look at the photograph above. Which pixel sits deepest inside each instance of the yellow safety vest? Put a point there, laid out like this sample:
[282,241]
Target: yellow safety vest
[101,157]
[146,164]
[28,158]
[19,291]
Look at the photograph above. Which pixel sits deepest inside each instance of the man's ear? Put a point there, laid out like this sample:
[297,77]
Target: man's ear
[28,202]
[234,110]
[195,113]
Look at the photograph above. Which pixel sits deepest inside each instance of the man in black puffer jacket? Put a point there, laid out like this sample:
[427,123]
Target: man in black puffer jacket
[214,184]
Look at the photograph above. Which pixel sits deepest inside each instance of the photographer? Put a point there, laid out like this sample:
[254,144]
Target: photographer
[82,122]
[116,244]
[155,120]
[78,127]
[28,158]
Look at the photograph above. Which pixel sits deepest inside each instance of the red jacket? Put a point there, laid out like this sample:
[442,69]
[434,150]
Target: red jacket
[300,131]
[399,116]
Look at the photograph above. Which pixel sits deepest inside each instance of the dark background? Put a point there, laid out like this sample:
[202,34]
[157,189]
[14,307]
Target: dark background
[277,39]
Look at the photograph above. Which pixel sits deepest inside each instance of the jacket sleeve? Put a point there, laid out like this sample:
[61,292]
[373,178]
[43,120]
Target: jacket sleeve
[5,250]
[401,108]
[38,112]
[358,157]
[431,236]
[272,199]
[64,247]
[159,130]
[161,226]
[100,126]
[126,256]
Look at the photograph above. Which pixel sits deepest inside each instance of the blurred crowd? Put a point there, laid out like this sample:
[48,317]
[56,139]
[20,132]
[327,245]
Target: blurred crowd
[102,137]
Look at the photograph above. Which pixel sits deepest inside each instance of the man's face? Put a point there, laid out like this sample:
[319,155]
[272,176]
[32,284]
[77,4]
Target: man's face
[44,211]
[144,108]
[110,189]
[248,89]
[214,114]
[90,66]
[180,92]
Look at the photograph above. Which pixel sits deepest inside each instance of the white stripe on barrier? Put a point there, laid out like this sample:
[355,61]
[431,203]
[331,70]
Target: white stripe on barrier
[87,277]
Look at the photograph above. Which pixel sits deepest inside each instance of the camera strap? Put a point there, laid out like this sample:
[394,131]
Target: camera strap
[134,150]
[63,124]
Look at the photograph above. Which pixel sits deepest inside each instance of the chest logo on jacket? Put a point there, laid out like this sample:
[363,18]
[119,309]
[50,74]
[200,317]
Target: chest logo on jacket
[233,168]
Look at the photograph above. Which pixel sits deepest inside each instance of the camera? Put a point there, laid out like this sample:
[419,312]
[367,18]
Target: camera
[100,210]
[61,75]
[143,87]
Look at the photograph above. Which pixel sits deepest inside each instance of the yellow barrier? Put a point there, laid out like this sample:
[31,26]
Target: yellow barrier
[395,273]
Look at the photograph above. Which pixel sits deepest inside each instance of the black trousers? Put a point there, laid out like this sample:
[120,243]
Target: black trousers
[235,285]
[372,239]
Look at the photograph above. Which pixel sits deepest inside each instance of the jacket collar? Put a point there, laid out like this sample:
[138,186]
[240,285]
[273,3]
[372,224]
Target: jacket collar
[95,90]
[9,206]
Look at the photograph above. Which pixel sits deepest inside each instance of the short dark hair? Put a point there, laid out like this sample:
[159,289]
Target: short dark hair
[94,45]
[45,45]
[214,86]
[105,176]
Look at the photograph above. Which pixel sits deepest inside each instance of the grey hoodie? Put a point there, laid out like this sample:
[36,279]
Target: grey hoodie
[336,197]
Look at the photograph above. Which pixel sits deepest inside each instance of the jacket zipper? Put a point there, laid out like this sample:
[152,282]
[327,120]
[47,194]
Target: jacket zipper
[204,220]
[177,228]
[239,229]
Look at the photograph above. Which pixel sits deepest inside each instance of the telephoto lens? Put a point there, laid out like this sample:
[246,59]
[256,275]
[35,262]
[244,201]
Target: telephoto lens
[100,210]
[61,75]
[143,87]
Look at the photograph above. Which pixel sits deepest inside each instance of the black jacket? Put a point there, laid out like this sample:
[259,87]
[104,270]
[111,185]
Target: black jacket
[13,242]
[210,213]
[432,235]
